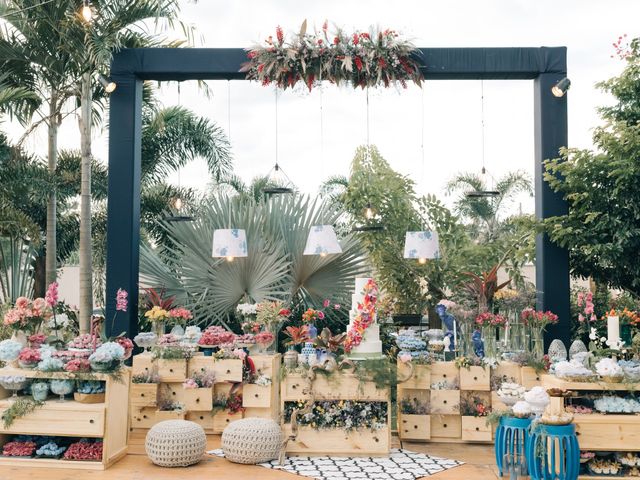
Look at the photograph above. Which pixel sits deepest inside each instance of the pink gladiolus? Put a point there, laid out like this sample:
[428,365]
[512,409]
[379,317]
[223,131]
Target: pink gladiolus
[121,300]
[52,295]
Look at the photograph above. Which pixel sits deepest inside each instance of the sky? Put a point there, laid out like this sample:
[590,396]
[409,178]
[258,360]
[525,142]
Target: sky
[428,134]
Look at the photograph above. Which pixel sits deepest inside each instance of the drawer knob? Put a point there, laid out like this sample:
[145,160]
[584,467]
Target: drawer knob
[475,378]
[91,420]
[171,370]
[201,417]
[444,375]
[173,393]
[142,394]
[444,425]
[256,395]
[444,401]
[577,433]
[228,371]
[293,387]
[197,400]
[144,416]
[404,421]
[537,379]
[376,439]
[415,426]
[406,431]
[477,429]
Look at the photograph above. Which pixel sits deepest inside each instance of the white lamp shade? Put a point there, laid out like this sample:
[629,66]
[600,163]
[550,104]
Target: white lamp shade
[322,240]
[230,242]
[421,245]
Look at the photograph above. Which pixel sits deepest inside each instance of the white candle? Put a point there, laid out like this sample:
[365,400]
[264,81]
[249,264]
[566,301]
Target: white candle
[613,331]
[455,334]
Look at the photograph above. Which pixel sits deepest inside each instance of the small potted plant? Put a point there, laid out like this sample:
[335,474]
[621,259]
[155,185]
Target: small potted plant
[107,357]
[90,392]
[169,410]
[474,426]
[329,344]
[29,358]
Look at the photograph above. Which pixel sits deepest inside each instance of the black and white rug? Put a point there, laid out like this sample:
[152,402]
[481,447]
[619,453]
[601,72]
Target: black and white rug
[399,465]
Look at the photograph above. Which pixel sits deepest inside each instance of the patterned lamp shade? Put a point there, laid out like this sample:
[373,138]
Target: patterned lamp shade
[322,241]
[229,243]
[421,246]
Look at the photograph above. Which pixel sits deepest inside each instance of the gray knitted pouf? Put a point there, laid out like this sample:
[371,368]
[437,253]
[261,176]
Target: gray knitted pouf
[175,443]
[252,440]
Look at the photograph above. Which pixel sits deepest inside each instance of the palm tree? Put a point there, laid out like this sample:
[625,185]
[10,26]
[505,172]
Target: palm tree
[118,24]
[235,186]
[486,213]
[34,58]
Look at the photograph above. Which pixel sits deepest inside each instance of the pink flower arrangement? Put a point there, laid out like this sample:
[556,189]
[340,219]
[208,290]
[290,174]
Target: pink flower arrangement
[240,353]
[181,314]
[529,316]
[18,449]
[215,335]
[27,315]
[78,365]
[189,383]
[127,344]
[265,338]
[587,302]
[488,319]
[37,339]
[168,340]
[364,318]
[29,355]
[66,355]
[85,341]
[251,327]
[245,339]
[84,450]
[52,295]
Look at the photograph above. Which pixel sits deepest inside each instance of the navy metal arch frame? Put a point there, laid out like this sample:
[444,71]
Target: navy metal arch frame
[544,65]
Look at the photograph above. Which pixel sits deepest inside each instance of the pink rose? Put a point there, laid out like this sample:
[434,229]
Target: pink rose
[326,303]
[240,353]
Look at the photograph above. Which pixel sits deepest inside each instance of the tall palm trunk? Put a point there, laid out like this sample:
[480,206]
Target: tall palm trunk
[86,290]
[51,251]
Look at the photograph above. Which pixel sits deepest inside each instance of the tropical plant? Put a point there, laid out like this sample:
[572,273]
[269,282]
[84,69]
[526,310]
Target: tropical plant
[252,192]
[486,214]
[600,230]
[275,268]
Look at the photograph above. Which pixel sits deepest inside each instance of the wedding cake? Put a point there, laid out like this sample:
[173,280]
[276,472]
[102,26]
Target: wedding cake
[370,344]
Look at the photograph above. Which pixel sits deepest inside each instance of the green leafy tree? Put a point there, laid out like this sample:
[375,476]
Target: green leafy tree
[601,187]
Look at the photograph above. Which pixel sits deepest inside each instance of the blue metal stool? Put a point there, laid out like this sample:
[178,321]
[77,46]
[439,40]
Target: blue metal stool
[553,453]
[512,438]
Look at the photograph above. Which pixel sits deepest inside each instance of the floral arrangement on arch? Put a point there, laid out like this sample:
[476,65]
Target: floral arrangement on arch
[366,314]
[363,59]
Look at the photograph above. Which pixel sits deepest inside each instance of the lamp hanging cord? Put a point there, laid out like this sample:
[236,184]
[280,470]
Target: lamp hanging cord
[276,90]
[482,120]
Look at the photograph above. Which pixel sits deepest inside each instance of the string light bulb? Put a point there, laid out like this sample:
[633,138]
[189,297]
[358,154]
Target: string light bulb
[86,11]
[178,203]
[368,211]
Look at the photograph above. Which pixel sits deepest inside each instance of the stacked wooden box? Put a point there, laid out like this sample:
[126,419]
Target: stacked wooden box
[444,423]
[257,401]
[326,441]
[106,421]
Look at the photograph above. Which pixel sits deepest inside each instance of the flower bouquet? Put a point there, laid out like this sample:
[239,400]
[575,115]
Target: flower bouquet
[537,322]
[27,315]
[29,358]
[271,315]
[84,343]
[158,317]
[146,340]
[609,370]
[125,343]
[9,352]
[488,322]
[264,340]
[107,357]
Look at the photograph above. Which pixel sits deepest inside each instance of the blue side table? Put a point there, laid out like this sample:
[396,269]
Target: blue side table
[553,453]
[512,438]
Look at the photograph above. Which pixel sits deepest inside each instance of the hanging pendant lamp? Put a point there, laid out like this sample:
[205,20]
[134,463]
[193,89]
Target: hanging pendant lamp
[485,178]
[278,182]
[421,246]
[322,240]
[229,243]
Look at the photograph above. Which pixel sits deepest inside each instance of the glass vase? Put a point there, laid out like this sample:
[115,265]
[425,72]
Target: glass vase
[490,342]
[537,342]
[159,327]
[465,340]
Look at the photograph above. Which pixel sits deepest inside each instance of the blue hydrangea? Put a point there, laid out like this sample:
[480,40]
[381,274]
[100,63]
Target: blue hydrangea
[50,364]
[9,350]
[107,352]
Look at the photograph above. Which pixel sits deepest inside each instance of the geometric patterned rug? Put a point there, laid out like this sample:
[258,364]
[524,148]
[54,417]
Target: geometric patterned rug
[399,465]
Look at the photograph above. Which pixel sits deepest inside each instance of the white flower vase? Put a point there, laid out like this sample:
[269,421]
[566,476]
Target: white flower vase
[20,337]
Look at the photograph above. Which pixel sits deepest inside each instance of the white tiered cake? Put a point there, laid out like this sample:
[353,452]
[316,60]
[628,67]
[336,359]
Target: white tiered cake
[371,346]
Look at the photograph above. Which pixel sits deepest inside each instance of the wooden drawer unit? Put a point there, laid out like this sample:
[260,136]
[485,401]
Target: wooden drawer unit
[294,387]
[444,371]
[529,377]
[475,378]
[201,364]
[608,432]
[446,402]
[338,442]
[172,370]
[228,370]
[203,418]
[445,426]
[267,364]
[509,370]
[60,418]
[337,386]
[414,427]
[496,403]
[256,396]
[144,417]
[262,413]
[475,429]
[197,398]
[222,419]
[143,394]
[161,416]
[421,378]
[142,363]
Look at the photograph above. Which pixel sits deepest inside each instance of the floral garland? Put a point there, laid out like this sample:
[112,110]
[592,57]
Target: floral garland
[364,59]
[365,317]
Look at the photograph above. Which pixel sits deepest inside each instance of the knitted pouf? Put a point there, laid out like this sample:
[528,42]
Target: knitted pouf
[252,440]
[175,443]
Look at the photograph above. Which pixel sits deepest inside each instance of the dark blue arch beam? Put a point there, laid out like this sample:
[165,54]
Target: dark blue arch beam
[544,65]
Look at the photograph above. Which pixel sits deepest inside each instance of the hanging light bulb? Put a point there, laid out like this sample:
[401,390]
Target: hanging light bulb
[369,213]
[86,11]
[108,84]
[178,203]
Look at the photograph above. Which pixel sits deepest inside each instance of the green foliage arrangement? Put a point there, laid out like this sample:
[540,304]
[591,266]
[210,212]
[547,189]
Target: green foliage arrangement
[18,409]
[600,229]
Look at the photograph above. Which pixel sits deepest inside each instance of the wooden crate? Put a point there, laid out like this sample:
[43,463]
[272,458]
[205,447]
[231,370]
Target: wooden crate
[609,432]
[143,417]
[446,402]
[496,403]
[228,370]
[222,419]
[421,378]
[446,427]
[441,371]
[142,364]
[203,418]
[510,370]
[529,377]
[256,396]
[201,364]
[172,370]
[161,415]
[336,386]
[197,398]
[414,427]
[143,394]
[475,429]
[475,378]
[311,441]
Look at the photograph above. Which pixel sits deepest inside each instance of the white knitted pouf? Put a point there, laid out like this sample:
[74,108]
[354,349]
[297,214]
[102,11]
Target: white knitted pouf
[252,440]
[175,443]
